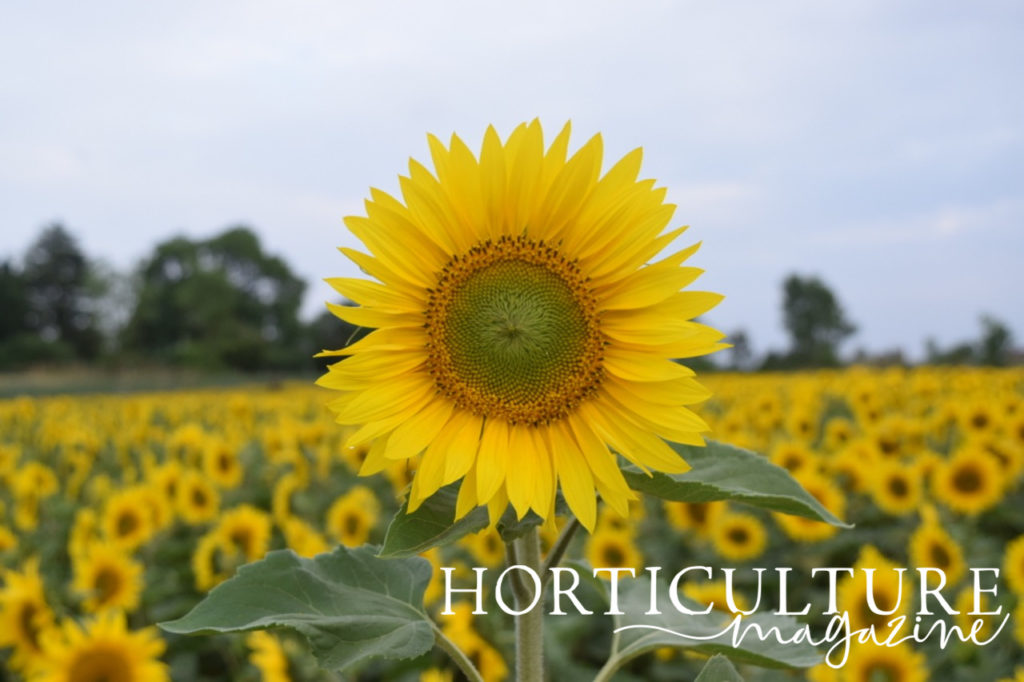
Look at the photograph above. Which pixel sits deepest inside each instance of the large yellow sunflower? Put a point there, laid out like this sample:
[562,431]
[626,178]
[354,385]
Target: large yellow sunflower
[102,651]
[519,328]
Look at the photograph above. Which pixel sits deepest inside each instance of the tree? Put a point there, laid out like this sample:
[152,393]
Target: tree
[13,302]
[740,355]
[56,274]
[996,343]
[221,302]
[815,321]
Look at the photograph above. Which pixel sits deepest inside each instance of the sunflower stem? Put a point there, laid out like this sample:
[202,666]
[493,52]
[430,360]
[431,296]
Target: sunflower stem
[529,625]
[457,655]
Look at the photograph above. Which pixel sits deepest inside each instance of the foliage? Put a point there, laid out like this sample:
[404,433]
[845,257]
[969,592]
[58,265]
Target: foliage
[815,321]
[217,303]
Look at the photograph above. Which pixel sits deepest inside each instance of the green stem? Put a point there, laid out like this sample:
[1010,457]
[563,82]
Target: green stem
[530,625]
[554,557]
[457,655]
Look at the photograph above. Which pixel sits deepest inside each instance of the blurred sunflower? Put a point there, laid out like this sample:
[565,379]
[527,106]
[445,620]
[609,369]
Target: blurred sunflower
[870,663]
[127,520]
[107,578]
[716,595]
[831,497]
[1013,566]
[932,546]
[104,650]
[268,656]
[739,537]
[245,530]
[969,482]
[352,516]
[700,517]
[24,614]
[519,331]
[197,500]
[889,590]
[897,487]
[612,550]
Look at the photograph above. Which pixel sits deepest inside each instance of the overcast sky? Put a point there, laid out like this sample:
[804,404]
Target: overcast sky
[877,144]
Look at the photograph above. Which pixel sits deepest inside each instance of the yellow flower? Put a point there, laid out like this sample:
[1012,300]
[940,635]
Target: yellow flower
[891,592]
[352,516]
[107,578]
[969,482]
[715,595]
[198,501]
[964,603]
[303,538]
[8,540]
[459,628]
[519,332]
[1013,566]
[268,656]
[931,546]
[896,488]
[486,547]
[794,458]
[24,615]
[127,519]
[245,530]
[221,464]
[870,663]
[103,650]
[612,550]
[738,537]
[700,517]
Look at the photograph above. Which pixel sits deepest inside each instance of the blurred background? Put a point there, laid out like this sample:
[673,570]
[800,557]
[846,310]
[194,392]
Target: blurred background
[174,176]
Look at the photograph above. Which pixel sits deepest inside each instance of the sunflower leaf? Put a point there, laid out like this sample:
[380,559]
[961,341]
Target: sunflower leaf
[432,525]
[349,604]
[726,472]
[641,632]
[718,669]
[510,528]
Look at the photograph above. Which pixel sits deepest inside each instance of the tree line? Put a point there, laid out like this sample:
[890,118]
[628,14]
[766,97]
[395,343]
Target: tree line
[221,303]
[224,303]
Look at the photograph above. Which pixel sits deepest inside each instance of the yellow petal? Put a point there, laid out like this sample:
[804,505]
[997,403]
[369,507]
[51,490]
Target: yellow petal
[492,459]
[574,477]
[409,439]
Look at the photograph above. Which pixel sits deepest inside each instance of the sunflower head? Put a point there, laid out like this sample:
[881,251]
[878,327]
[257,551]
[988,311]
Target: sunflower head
[521,332]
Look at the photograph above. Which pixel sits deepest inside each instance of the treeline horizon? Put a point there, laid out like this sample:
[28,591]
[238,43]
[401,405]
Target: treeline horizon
[225,304]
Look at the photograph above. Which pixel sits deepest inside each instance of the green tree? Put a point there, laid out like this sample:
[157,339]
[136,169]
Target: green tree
[815,321]
[218,303]
[56,275]
[996,342]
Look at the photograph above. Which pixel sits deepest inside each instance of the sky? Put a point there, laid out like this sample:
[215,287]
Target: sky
[876,144]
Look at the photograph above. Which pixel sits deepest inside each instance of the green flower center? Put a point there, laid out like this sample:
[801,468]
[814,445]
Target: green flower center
[514,332]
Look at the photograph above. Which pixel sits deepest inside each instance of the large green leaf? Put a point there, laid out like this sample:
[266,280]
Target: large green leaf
[726,472]
[349,604]
[718,669]
[432,525]
[639,633]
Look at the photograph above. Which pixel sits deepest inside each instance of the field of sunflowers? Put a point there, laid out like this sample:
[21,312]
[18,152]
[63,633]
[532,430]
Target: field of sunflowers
[121,511]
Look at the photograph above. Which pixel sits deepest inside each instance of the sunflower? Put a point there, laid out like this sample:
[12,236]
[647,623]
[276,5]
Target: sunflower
[486,547]
[518,332]
[967,614]
[303,538]
[245,530]
[103,651]
[127,519]
[221,464]
[8,540]
[739,537]
[890,589]
[198,501]
[458,627]
[969,482]
[268,656]
[931,546]
[896,487]
[352,516]
[107,578]
[872,663]
[700,517]
[716,595]
[794,458]
[612,550]
[24,614]
[1013,566]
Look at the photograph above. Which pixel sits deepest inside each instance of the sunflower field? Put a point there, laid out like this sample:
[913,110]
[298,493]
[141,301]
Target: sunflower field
[121,511]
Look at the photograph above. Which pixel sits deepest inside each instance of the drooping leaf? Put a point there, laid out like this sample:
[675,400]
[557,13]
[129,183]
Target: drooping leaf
[432,525]
[725,472]
[718,669]
[349,604]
